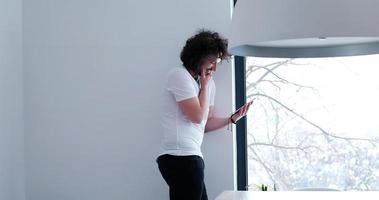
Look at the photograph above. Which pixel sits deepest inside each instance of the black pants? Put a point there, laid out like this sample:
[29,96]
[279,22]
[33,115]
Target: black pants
[184,175]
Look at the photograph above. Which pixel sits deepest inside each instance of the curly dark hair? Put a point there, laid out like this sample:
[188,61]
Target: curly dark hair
[198,47]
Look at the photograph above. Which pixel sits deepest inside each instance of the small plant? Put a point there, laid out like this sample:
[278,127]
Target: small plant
[264,187]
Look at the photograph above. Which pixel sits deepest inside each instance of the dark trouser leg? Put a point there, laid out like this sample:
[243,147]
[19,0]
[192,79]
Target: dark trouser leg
[184,176]
[204,195]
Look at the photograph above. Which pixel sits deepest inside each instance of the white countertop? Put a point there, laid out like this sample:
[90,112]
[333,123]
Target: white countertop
[297,195]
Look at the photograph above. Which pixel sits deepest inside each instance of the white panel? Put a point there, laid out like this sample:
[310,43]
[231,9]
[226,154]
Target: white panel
[11,123]
[298,24]
[94,72]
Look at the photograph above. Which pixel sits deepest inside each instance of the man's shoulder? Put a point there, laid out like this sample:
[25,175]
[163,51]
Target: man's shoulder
[177,72]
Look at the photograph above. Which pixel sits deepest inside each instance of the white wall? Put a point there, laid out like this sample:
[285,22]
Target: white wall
[11,123]
[93,72]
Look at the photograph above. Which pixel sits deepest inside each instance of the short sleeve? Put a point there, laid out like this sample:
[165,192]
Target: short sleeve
[180,85]
[212,93]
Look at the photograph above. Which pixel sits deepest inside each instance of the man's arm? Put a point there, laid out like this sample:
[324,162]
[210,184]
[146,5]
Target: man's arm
[195,108]
[214,123]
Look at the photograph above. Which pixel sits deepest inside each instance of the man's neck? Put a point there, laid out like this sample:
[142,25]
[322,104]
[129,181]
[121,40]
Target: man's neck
[193,74]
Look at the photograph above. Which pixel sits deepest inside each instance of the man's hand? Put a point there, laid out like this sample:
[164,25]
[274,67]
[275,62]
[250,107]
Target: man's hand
[205,76]
[241,112]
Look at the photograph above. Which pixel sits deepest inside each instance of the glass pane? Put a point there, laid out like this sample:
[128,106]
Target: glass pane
[313,123]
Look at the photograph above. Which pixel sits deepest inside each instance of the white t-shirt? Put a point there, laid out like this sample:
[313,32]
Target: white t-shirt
[181,136]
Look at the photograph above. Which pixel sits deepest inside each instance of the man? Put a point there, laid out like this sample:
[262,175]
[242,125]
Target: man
[189,113]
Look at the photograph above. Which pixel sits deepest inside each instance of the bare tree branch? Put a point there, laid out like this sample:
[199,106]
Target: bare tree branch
[299,147]
[276,148]
[306,120]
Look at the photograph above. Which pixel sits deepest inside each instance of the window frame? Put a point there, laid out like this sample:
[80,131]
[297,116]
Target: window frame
[241,127]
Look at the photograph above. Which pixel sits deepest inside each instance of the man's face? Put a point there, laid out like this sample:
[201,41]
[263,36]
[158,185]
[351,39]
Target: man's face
[210,64]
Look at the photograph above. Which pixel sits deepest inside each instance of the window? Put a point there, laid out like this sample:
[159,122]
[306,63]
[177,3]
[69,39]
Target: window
[313,124]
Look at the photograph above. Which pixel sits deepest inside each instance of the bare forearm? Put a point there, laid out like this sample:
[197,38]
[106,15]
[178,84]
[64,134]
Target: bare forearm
[203,100]
[215,123]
